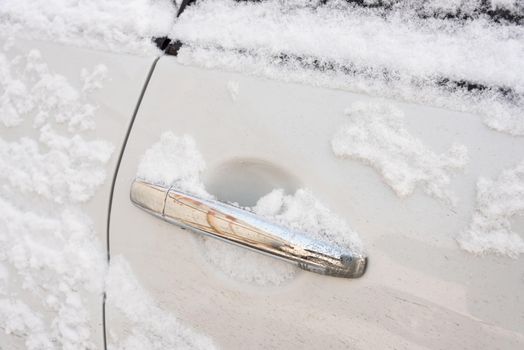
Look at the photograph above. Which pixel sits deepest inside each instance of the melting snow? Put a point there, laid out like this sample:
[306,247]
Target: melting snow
[375,134]
[175,161]
[498,201]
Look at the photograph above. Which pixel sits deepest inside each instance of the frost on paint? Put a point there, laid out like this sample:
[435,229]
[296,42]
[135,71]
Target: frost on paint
[375,134]
[148,326]
[55,261]
[397,53]
[175,161]
[115,25]
[498,201]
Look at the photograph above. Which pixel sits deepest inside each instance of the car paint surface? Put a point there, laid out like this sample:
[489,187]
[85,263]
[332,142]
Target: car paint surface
[420,290]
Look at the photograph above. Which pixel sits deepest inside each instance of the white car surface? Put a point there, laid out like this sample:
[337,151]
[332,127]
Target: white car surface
[432,196]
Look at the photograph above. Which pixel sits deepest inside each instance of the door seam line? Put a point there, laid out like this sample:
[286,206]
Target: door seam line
[113,183]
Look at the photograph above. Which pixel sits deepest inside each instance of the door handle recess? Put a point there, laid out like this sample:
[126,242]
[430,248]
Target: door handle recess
[243,228]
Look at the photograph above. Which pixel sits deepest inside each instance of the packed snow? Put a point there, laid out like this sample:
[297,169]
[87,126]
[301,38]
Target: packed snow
[390,53]
[46,240]
[499,200]
[375,134]
[149,327]
[182,166]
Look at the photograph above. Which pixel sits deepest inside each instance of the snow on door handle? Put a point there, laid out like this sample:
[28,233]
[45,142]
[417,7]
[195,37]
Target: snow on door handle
[243,228]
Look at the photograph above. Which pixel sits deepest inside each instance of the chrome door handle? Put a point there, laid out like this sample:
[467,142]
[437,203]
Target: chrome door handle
[241,227]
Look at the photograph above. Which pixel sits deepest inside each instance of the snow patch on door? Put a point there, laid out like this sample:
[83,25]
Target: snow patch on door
[375,134]
[147,325]
[46,240]
[498,201]
[175,161]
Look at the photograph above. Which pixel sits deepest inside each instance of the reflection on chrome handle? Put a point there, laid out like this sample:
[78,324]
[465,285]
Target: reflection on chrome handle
[241,227]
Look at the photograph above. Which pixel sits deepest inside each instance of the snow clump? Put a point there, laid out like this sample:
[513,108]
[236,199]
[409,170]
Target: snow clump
[498,201]
[374,134]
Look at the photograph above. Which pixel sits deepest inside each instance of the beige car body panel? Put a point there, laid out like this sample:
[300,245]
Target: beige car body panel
[421,291]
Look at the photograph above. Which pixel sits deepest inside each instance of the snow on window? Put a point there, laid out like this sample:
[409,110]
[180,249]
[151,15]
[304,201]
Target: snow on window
[498,201]
[147,325]
[375,134]
[45,238]
[175,161]
[115,25]
[467,65]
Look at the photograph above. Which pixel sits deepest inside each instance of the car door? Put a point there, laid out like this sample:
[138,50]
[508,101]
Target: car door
[242,137]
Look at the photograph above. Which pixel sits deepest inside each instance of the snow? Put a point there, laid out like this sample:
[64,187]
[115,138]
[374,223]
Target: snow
[29,86]
[93,80]
[51,262]
[406,50]
[46,241]
[246,266]
[233,87]
[58,167]
[24,322]
[304,213]
[300,211]
[149,327]
[175,161]
[375,134]
[498,201]
[48,244]
[115,25]
[391,54]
